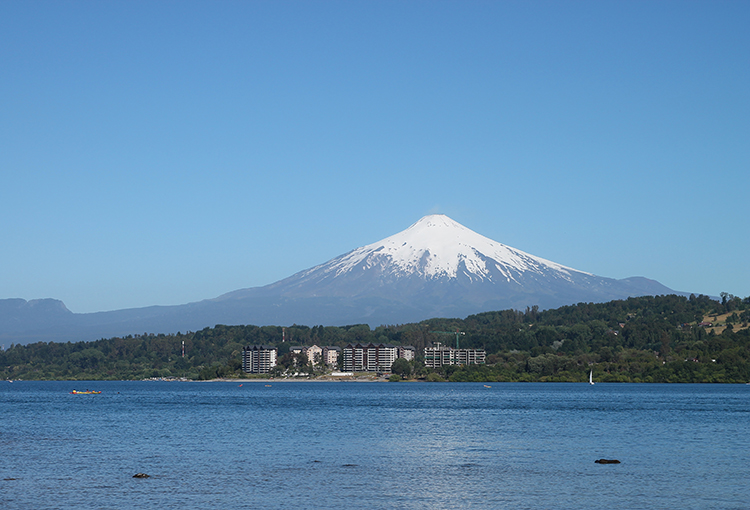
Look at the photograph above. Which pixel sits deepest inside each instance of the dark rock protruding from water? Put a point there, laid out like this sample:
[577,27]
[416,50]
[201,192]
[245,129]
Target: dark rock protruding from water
[607,461]
[144,475]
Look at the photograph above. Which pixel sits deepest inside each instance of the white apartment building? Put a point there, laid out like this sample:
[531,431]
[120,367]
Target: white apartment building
[314,354]
[331,355]
[369,357]
[407,352]
[258,359]
[439,355]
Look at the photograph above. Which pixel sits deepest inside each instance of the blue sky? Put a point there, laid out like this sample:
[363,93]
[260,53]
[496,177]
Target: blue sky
[168,152]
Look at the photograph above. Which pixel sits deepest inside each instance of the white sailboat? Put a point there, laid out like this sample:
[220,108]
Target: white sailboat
[591,377]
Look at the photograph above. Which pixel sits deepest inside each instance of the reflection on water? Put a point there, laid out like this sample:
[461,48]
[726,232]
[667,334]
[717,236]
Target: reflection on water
[356,445]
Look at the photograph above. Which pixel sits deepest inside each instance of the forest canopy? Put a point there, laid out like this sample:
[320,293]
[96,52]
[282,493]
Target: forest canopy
[645,339]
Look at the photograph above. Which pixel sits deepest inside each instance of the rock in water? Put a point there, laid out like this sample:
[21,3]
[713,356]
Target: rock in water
[144,475]
[607,461]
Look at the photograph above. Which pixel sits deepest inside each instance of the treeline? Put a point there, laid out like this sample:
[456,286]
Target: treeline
[645,339]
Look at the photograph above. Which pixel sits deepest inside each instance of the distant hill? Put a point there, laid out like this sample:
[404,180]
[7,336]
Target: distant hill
[642,339]
[434,268]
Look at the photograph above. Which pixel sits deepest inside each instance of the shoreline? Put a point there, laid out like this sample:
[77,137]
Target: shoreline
[300,379]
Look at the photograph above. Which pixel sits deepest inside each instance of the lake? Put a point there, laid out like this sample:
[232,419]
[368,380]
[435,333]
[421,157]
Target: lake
[309,445]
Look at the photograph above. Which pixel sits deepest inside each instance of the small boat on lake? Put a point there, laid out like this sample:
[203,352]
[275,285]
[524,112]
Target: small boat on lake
[87,392]
[591,377]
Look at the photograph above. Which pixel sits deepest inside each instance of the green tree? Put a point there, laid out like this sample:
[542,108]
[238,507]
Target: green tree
[401,367]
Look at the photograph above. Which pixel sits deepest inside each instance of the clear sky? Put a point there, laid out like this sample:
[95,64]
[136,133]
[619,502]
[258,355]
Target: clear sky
[168,152]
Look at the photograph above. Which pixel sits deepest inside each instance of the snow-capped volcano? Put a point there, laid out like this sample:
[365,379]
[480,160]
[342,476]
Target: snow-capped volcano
[434,268]
[438,267]
[437,247]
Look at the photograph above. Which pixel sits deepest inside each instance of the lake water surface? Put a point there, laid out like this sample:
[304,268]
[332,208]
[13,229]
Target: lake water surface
[309,445]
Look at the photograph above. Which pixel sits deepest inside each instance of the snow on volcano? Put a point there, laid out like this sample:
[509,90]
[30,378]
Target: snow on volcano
[435,268]
[437,247]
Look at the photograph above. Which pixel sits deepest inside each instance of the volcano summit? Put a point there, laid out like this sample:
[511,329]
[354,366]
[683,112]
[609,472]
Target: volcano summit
[439,268]
[435,268]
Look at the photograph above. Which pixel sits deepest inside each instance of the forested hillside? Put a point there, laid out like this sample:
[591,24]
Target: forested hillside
[645,339]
